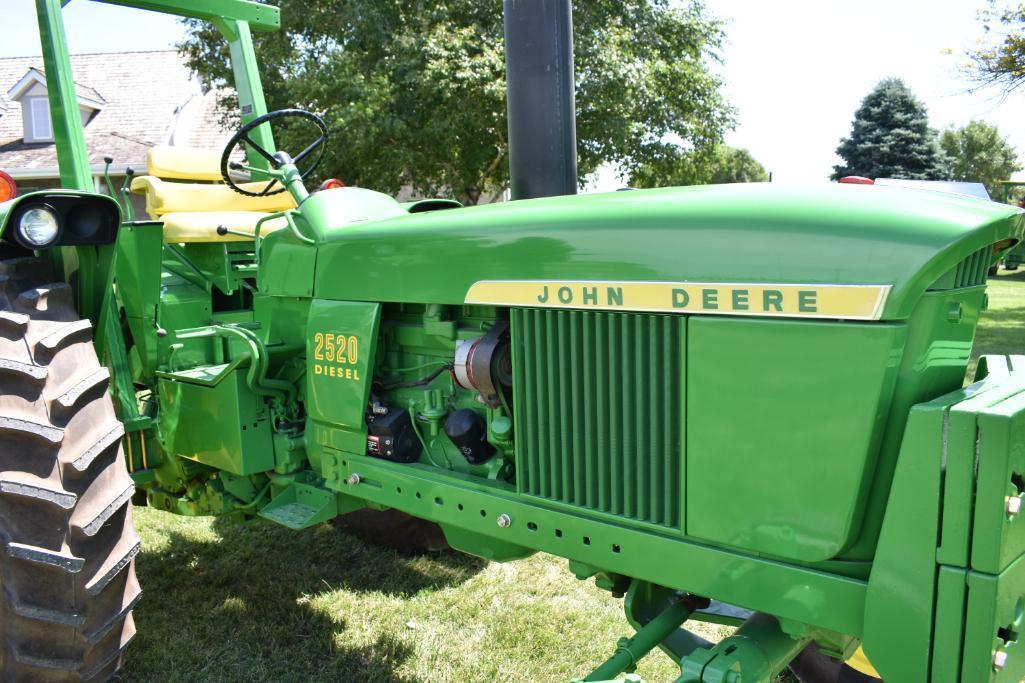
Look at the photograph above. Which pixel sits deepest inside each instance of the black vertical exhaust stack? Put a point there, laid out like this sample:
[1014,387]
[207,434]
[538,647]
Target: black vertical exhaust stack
[541,98]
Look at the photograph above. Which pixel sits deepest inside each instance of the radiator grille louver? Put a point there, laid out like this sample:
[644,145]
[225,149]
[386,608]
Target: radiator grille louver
[974,269]
[598,411]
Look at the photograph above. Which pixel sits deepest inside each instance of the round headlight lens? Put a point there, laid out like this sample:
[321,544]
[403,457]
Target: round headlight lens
[38,226]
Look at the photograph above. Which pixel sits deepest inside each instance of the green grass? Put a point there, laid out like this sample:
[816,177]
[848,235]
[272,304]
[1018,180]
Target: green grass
[256,602]
[226,602]
[1002,327]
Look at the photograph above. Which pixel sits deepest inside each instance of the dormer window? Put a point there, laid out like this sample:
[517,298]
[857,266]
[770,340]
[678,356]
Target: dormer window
[30,92]
[36,114]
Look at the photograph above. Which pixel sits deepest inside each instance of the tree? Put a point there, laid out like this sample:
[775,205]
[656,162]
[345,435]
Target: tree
[415,92]
[890,137]
[725,165]
[978,153]
[1000,59]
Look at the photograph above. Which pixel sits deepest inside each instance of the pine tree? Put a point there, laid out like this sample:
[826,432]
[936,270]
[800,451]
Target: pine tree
[890,137]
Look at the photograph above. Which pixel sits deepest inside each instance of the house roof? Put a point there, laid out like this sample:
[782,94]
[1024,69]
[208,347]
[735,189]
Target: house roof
[149,98]
[86,95]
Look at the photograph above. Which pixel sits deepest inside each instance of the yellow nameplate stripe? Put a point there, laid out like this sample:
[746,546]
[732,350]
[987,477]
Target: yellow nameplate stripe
[850,302]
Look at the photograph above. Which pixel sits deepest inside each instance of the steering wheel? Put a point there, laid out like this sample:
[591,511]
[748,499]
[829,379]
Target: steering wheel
[278,159]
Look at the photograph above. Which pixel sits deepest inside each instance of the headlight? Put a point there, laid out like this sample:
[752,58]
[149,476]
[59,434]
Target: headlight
[38,226]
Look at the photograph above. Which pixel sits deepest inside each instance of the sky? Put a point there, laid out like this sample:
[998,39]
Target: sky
[796,70]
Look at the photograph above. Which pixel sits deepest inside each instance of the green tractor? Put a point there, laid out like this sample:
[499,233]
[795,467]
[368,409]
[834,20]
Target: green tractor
[737,404]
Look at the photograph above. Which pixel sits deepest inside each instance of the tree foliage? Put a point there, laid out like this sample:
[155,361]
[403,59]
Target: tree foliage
[890,137]
[999,60]
[978,153]
[414,92]
[724,165]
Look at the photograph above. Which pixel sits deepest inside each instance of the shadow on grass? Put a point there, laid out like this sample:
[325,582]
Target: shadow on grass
[236,608]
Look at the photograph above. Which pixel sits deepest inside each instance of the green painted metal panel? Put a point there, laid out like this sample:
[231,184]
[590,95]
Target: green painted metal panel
[341,344]
[225,426]
[784,422]
[599,408]
[901,589]
[993,628]
[137,276]
[999,538]
[959,482]
[948,636]
[840,234]
[936,353]
[287,265]
[790,591]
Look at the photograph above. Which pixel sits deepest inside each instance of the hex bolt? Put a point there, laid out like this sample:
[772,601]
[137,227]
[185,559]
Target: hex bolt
[999,660]
[353,479]
[1013,505]
[504,521]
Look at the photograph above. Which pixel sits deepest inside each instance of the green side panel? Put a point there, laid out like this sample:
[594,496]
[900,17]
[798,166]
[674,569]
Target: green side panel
[996,605]
[901,588]
[783,430]
[225,426]
[599,411]
[999,538]
[341,344]
[951,596]
[936,353]
[286,266]
[137,278]
[831,234]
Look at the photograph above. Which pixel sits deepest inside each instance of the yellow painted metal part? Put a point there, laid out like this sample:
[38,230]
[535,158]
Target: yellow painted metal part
[850,302]
[859,662]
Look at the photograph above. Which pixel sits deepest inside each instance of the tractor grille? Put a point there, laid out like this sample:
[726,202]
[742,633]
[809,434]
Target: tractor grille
[598,411]
[973,270]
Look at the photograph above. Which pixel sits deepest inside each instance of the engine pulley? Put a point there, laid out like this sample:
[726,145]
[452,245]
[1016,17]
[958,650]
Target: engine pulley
[484,365]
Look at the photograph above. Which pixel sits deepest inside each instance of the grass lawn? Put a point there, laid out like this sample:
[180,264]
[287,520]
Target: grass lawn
[226,602]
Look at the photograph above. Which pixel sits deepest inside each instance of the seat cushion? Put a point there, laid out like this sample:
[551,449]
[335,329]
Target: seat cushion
[163,197]
[190,227]
[183,163]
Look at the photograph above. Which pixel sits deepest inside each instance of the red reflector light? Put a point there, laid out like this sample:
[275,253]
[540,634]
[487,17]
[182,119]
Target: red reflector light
[8,189]
[332,184]
[857,180]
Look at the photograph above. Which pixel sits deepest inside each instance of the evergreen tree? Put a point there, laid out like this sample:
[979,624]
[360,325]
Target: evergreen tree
[890,137]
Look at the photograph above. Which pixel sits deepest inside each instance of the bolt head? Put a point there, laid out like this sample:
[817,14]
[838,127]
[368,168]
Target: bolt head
[504,521]
[999,659]
[353,479]
[1013,505]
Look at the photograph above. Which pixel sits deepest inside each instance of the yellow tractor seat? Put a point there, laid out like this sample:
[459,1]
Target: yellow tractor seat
[192,212]
[190,227]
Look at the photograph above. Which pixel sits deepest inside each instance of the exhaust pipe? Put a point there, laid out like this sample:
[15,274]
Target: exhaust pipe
[541,98]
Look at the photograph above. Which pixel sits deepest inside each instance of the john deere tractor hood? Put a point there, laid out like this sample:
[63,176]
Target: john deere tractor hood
[658,248]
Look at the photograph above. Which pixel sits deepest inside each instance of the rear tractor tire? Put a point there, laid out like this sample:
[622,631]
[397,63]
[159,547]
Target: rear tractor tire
[67,575]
